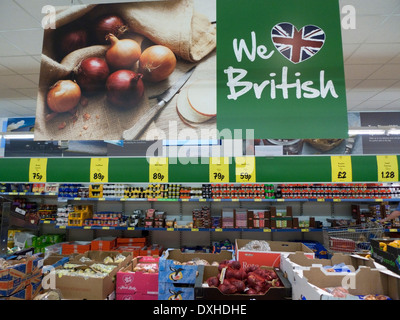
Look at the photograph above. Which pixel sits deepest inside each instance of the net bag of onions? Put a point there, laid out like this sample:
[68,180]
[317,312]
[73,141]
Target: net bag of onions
[101,63]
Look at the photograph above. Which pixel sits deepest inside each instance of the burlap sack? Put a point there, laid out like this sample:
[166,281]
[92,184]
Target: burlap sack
[172,23]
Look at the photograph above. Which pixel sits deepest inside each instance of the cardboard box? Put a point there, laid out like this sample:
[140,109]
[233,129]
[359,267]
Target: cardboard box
[100,256]
[213,293]
[362,282]
[141,242]
[136,296]
[104,243]
[53,261]
[153,250]
[175,291]
[297,262]
[86,288]
[269,258]
[76,247]
[175,273]
[18,275]
[389,258]
[135,250]
[130,282]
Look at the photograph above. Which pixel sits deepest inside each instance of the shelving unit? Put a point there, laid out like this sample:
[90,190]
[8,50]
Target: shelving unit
[271,170]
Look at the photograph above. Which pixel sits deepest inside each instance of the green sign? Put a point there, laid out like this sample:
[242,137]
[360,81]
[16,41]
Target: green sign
[280,69]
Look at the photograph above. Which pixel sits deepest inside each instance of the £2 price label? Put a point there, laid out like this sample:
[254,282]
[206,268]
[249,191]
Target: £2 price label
[341,169]
[99,170]
[38,170]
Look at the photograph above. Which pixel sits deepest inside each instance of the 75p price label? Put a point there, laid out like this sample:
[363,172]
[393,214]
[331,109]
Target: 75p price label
[99,170]
[341,169]
[219,169]
[38,170]
[158,170]
[388,170]
[245,169]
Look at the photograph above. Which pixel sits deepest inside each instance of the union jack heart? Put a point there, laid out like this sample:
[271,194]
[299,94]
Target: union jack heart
[297,45]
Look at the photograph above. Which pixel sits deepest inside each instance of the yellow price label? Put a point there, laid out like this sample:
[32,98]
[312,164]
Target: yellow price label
[245,169]
[131,228]
[266,230]
[99,170]
[38,170]
[195,229]
[305,230]
[158,170]
[218,229]
[341,169]
[388,169]
[219,169]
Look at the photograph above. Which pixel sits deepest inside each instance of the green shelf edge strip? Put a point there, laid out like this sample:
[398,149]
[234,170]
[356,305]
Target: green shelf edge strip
[136,170]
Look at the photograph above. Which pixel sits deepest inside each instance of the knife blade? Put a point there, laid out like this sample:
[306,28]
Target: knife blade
[163,99]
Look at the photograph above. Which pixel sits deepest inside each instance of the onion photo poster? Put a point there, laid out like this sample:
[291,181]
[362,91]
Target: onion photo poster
[193,69]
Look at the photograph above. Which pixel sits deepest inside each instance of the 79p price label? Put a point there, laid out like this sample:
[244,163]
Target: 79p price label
[219,169]
[38,170]
[158,170]
[99,170]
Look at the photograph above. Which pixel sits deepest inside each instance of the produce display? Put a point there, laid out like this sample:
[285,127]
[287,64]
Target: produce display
[96,270]
[341,292]
[233,278]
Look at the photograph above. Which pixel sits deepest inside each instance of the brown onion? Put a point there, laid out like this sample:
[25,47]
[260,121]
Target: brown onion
[71,39]
[125,88]
[122,54]
[63,96]
[156,63]
[108,24]
[92,74]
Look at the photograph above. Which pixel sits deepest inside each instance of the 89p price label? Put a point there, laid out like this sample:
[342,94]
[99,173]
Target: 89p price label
[158,170]
[99,170]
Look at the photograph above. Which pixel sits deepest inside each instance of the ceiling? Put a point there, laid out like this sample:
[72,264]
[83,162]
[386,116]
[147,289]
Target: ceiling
[371,54]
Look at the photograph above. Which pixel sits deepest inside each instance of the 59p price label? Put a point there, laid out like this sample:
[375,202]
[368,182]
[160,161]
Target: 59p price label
[245,169]
[38,170]
[341,169]
[158,170]
[99,170]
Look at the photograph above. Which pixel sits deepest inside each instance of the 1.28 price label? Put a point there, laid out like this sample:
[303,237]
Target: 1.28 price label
[99,170]
[158,170]
[388,170]
[341,169]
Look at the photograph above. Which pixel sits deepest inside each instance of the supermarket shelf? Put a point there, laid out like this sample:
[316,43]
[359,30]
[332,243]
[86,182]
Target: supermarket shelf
[232,200]
[203,229]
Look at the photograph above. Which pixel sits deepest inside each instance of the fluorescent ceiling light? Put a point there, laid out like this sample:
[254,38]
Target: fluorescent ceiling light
[19,136]
[367,131]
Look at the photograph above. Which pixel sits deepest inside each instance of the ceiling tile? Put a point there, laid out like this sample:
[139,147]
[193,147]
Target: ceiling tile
[21,65]
[373,84]
[368,7]
[16,82]
[388,71]
[374,53]
[34,8]
[13,17]
[388,32]
[392,106]
[364,26]
[29,41]
[7,93]
[28,92]
[360,71]
[8,49]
